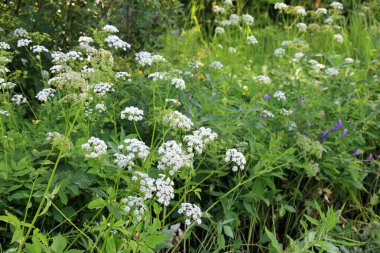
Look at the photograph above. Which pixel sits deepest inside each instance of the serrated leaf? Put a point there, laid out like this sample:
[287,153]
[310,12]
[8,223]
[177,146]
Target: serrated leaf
[97,203]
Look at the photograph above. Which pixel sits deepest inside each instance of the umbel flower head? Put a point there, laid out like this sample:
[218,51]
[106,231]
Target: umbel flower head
[236,157]
[95,147]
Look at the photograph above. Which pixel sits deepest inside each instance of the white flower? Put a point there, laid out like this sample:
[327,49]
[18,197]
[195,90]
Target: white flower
[191,211]
[252,40]
[233,155]
[171,100]
[38,49]
[100,108]
[6,85]
[279,52]
[95,147]
[321,11]
[280,6]
[147,184]
[234,19]
[268,114]
[328,20]
[103,88]
[173,157]
[199,139]
[110,29]
[85,41]
[177,120]
[285,112]
[45,94]
[248,19]
[179,83]
[228,2]
[232,50]
[336,5]
[216,65]
[5,113]
[164,190]
[298,56]
[116,43]
[279,95]
[23,42]
[349,60]
[219,30]
[4,46]
[125,75]
[332,71]
[136,147]
[218,9]
[225,23]
[338,38]
[302,27]
[299,10]
[263,79]
[133,113]
[18,99]
[146,58]
[20,33]
[286,43]
[137,205]
[60,69]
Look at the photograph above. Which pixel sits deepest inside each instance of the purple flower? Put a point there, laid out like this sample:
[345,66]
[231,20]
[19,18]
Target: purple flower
[308,124]
[357,152]
[325,133]
[266,97]
[338,125]
[344,133]
[369,158]
[307,134]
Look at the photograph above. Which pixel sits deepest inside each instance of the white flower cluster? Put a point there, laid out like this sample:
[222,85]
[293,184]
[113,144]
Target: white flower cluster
[38,49]
[23,42]
[338,38]
[4,70]
[6,85]
[285,112]
[60,69]
[147,184]
[136,147]
[218,9]
[4,112]
[133,113]
[125,75]
[219,30]
[4,60]
[263,79]
[61,58]
[332,71]
[18,99]
[100,108]
[116,43]
[191,211]
[85,41]
[45,94]
[216,65]
[173,157]
[321,11]
[137,204]
[172,100]
[177,120]
[280,95]
[147,59]
[279,52]
[103,88]
[234,19]
[316,65]
[233,155]
[199,139]
[336,5]
[159,76]
[179,83]
[269,114]
[95,146]
[280,6]
[164,190]
[302,27]
[248,19]
[20,33]
[110,29]
[252,40]
[299,10]
[51,136]
[4,46]
[232,50]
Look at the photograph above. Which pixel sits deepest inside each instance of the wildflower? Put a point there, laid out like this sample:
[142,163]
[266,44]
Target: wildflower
[146,58]
[60,68]
[85,41]
[252,40]
[268,114]
[338,38]
[100,107]
[266,97]
[321,11]
[136,147]
[45,94]
[137,205]
[234,19]
[125,75]
[20,33]
[336,5]
[233,155]
[199,139]
[103,88]
[164,190]
[218,9]
[324,135]
[338,125]
[173,157]
[219,30]
[302,27]
[263,79]
[23,42]
[232,50]
[51,136]
[96,147]
[369,158]
[179,83]
[328,20]
[285,112]
[248,19]
[4,46]
[280,6]
[228,2]
[110,29]
[298,56]
[177,120]
[4,112]
[18,99]
[279,52]
[115,42]
[38,49]
[332,72]
[174,101]
[299,10]
[61,58]
[348,60]
[133,113]
[344,133]
[280,95]
[191,211]
[123,161]
[225,23]
[6,85]
[216,65]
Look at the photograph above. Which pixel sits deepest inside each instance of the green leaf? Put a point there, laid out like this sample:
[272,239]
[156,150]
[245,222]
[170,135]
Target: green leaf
[228,231]
[328,247]
[110,245]
[273,242]
[59,243]
[97,203]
